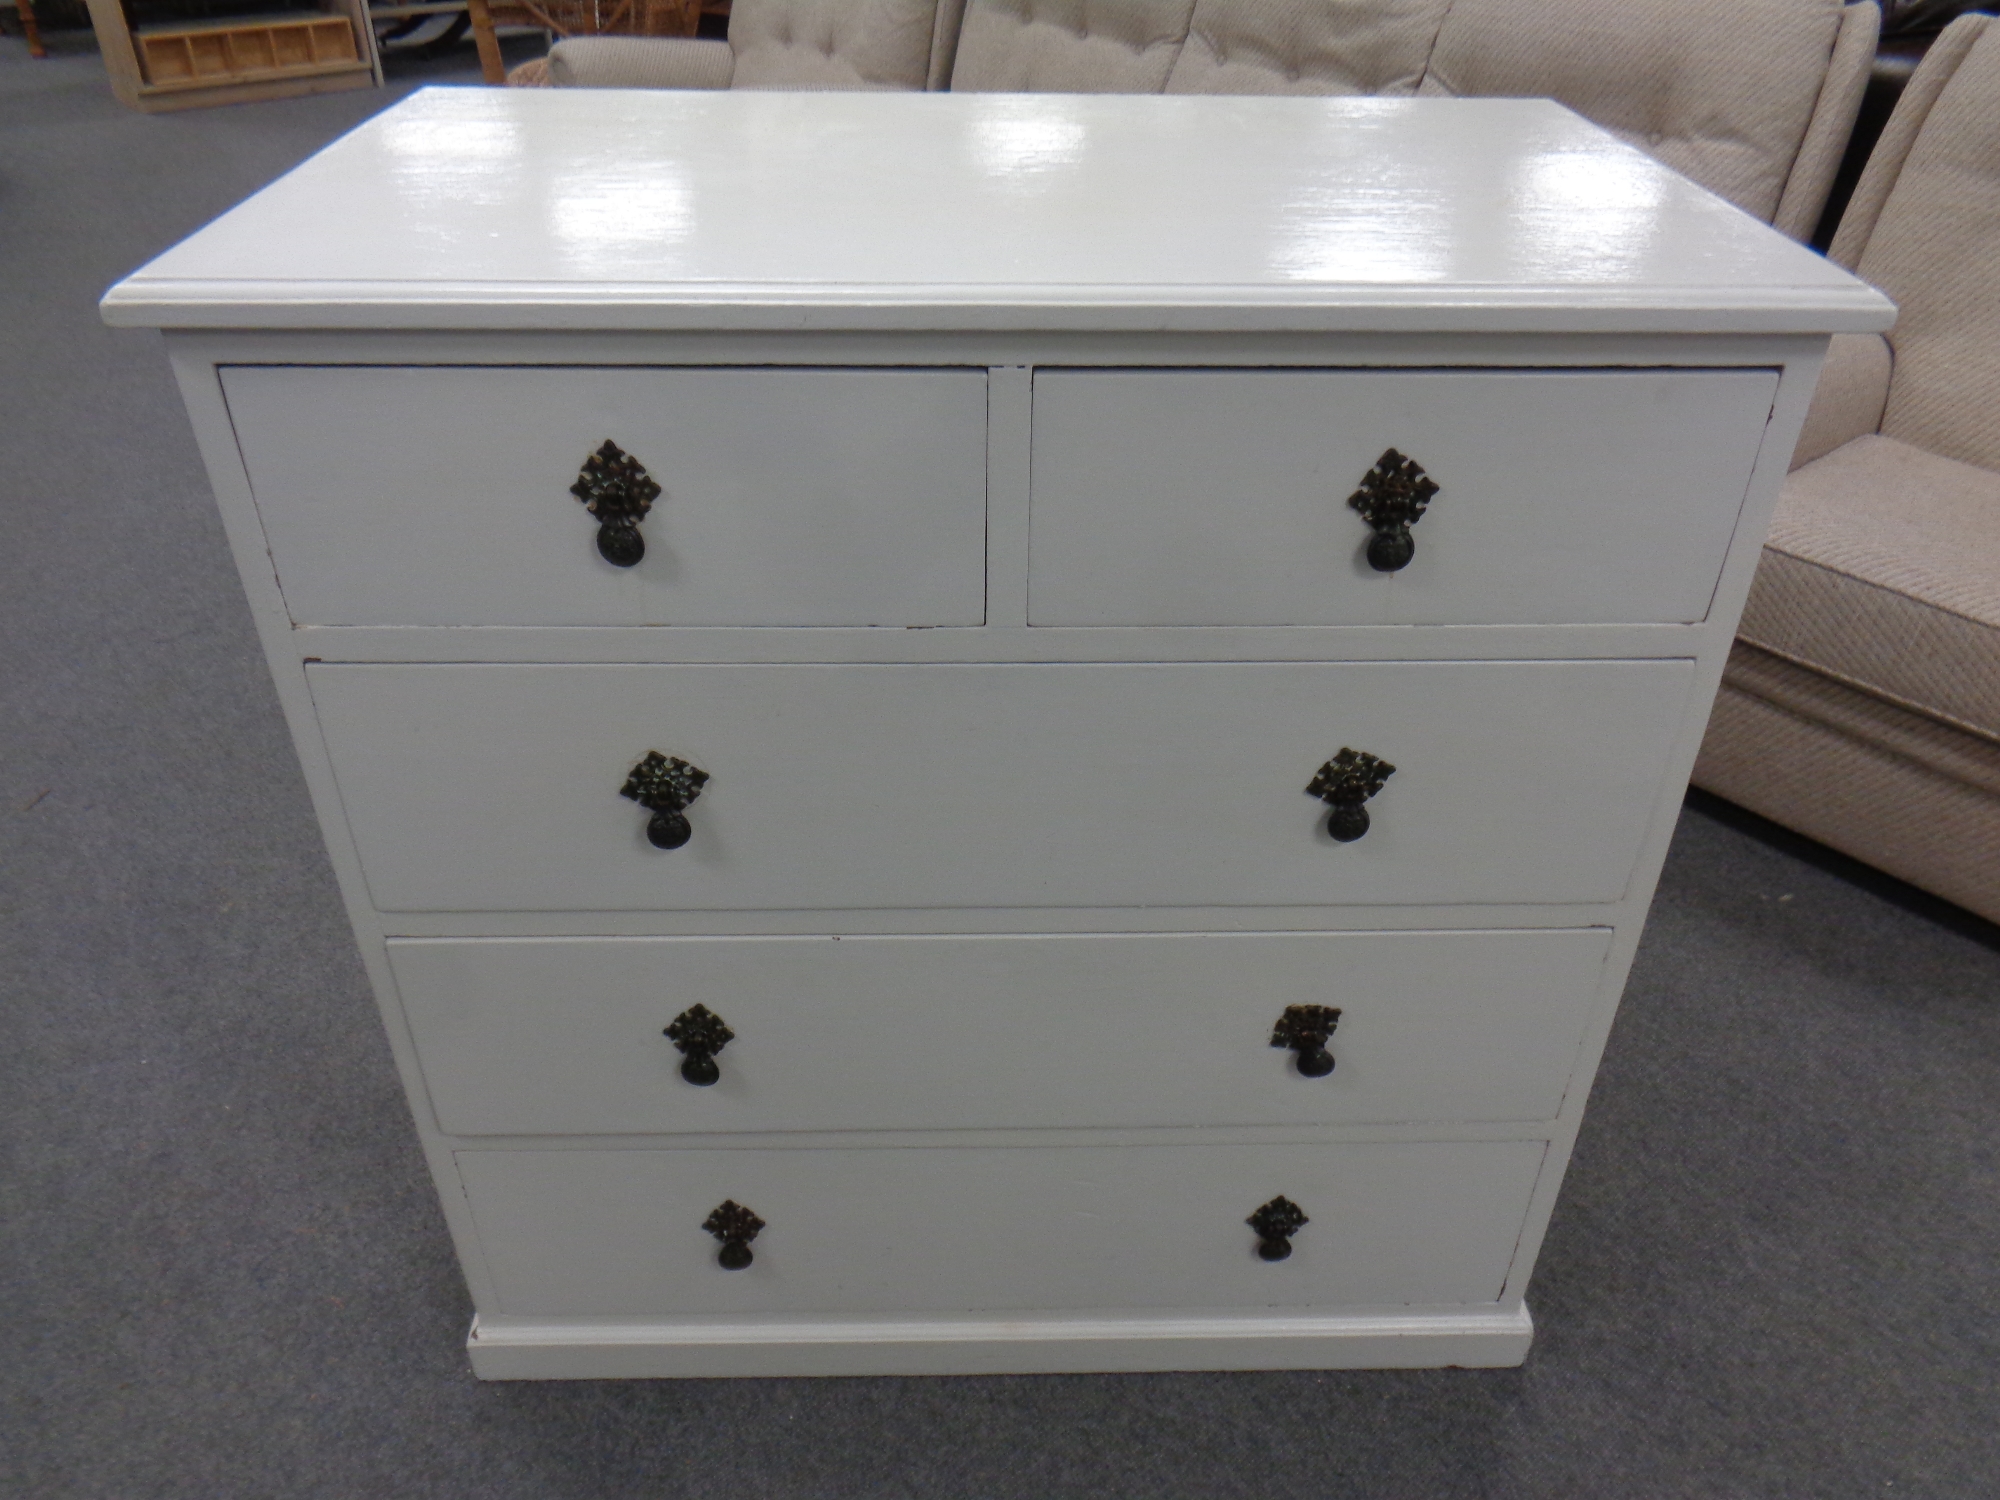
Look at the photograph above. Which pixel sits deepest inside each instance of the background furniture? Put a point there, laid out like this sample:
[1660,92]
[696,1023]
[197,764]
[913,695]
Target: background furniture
[568,18]
[1862,705]
[163,56]
[30,31]
[870,892]
[1754,100]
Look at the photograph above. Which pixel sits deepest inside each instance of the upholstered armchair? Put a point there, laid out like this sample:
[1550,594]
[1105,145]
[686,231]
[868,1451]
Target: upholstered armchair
[1862,702]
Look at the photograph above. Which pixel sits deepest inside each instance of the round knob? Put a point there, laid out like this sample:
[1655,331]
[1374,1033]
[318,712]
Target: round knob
[1346,823]
[1391,551]
[619,543]
[668,829]
[699,1069]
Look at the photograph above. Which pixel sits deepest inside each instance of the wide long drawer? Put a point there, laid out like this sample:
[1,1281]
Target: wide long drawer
[619,1233]
[442,496]
[1218,497]
[497,787]
[549,1036]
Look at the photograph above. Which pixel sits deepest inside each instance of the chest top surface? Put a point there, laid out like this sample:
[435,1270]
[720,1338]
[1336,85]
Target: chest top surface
[529,208]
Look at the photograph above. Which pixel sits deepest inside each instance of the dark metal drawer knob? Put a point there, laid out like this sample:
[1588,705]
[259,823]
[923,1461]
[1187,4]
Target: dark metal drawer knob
[615,487]
[1344,783]
[1276,1222]
[665,785]
[700,1033]
[1305,1029]
[1392,498]
[736,1227]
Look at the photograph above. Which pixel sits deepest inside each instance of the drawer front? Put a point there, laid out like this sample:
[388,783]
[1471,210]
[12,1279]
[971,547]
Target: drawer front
[565,1035]
[619,1233]
[1209,497]
[787,497]
[497,787]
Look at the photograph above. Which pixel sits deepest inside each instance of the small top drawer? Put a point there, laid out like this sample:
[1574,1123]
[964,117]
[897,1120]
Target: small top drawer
[442,496]
[1220,497]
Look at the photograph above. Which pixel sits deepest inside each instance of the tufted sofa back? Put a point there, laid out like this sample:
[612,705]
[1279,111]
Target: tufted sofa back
[843,44]
[1720,91]
[1306,46]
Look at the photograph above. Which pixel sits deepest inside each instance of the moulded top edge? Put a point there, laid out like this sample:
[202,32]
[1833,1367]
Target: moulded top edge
[148,302]
[572,208]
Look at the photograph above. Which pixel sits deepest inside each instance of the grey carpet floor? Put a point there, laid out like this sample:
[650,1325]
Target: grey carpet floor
[1774,1272]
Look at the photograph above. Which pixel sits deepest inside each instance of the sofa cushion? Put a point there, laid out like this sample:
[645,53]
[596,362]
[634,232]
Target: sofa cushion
[1069,46]
[1936,250]
[1906,794]
[1883,572]
[1306,46]
[833,44]
[1720,90]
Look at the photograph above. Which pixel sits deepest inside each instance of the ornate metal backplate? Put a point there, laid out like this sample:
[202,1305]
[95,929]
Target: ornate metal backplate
[664,783]
[1303,1027]
[615,487]
[1351,777]
[1276,1222]
[699,1029]
[1393,497]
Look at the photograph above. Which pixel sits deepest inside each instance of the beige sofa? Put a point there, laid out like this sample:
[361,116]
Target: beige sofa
[1753,99]
[1862,702]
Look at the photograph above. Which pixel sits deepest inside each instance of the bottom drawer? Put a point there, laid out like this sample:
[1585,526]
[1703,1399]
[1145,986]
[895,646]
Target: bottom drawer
[935,1229]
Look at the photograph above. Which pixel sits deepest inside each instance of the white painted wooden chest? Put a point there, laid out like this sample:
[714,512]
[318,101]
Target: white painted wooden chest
[993,733]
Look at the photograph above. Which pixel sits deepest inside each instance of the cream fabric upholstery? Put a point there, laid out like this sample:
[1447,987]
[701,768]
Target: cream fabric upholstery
[780,44]
[1853,388]
[1820,153]
[1069,46]
[1883,570]
[1307,46]
[1934,250]
[1862,703]
[1892,147]
[833,44]
[640,62]
[1834,764]
[1722,92]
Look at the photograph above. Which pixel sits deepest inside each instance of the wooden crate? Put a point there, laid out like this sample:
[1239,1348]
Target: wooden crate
[246,49]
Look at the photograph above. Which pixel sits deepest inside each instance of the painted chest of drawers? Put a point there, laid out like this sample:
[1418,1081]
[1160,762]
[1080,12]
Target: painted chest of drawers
[1009,733]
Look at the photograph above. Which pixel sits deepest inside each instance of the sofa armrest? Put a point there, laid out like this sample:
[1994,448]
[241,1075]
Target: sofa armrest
[1847,404]
[636,62]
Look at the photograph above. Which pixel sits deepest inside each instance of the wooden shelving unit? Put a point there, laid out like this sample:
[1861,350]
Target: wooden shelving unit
[187,64]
